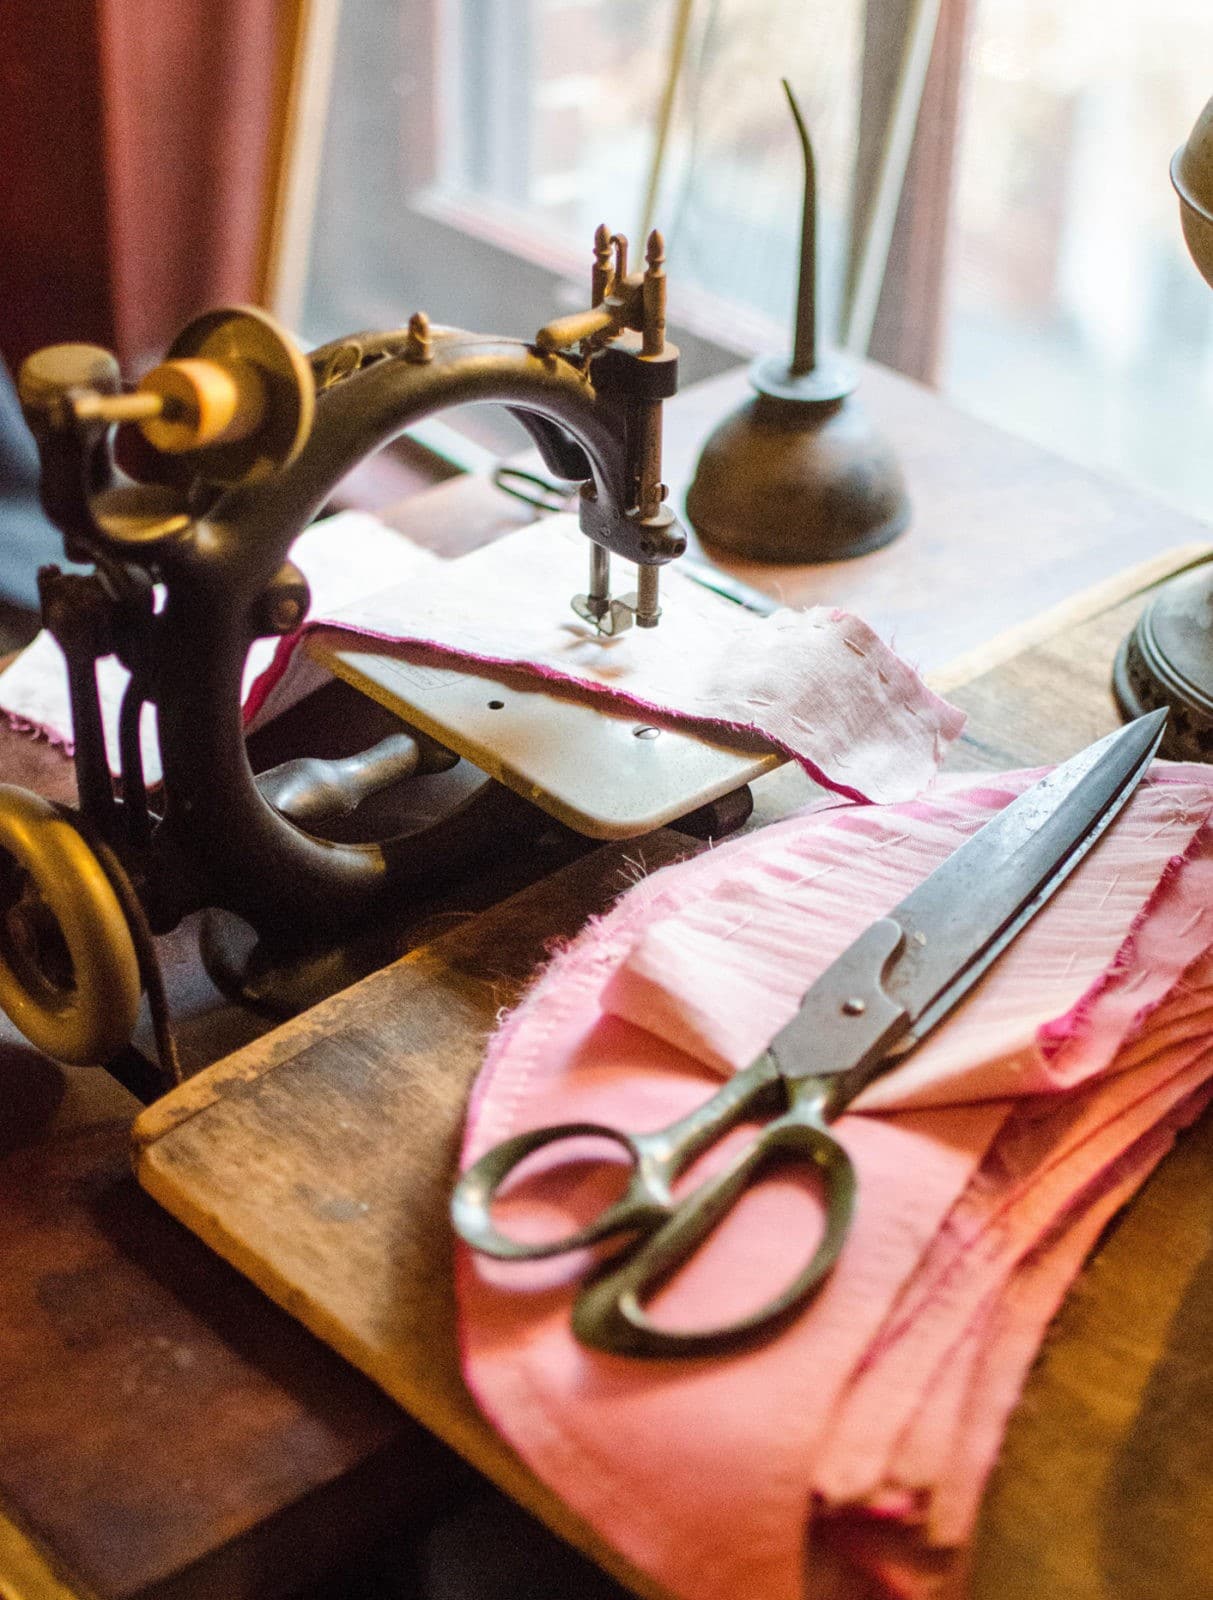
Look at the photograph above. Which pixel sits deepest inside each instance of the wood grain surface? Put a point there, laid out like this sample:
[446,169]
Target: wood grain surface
[319,1162]
[168,1431]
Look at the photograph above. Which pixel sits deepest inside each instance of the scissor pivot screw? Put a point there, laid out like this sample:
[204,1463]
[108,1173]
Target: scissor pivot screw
[854,1007]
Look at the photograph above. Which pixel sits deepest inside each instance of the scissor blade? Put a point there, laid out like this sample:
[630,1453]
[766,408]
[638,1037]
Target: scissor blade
[908,970]
[961,918]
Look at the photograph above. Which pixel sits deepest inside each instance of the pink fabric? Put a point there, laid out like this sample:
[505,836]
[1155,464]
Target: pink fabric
[817,685]
[766,925]
[856,1442]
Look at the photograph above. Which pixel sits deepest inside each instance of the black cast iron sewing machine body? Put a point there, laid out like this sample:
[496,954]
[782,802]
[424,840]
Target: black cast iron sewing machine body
[190,565]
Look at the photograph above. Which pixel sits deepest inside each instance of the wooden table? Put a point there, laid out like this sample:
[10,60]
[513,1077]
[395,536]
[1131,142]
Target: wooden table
[175,1434]
[320,1162]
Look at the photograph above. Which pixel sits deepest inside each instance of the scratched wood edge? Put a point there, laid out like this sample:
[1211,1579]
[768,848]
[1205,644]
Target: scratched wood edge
[29,1573]
[446,1406]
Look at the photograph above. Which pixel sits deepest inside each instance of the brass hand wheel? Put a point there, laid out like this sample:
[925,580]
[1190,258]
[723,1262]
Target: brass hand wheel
[69,974]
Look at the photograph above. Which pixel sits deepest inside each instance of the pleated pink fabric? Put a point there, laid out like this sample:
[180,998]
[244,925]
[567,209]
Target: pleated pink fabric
[852,1449]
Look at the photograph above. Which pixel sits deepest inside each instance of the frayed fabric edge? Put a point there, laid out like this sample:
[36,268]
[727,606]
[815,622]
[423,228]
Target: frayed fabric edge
[40,731]
[269,680]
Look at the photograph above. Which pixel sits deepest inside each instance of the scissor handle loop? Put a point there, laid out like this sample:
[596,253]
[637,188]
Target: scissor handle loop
[645,1199]
[609,1313]
[657,1159]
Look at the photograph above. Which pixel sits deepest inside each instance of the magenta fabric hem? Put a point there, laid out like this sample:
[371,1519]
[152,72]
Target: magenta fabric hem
[818,685]
[40,730]
[273,675]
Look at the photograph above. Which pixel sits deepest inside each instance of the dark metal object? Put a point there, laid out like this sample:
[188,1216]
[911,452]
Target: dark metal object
[799,474]
[546,495]
[208,529]
[879,999]
[1192,175]
[311,791]
[719,818]
[533,489]
[728,587]
[1167,660]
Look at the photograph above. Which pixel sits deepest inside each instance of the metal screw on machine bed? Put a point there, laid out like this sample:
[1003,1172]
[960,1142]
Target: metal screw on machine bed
[240,441]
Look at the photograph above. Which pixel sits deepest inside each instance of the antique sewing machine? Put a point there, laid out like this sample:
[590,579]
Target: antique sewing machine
[238,442]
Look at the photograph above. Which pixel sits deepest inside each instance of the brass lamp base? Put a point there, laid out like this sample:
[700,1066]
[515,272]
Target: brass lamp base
[1167,660]
[798,474]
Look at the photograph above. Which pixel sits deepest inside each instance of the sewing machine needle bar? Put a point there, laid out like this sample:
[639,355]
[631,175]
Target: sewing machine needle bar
[648,602]
[600,575]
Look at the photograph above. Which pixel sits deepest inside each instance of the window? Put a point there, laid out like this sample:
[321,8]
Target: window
[1075,314]
[473,145]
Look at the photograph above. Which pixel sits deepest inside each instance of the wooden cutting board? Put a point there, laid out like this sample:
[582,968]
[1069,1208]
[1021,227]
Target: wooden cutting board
[319,1162]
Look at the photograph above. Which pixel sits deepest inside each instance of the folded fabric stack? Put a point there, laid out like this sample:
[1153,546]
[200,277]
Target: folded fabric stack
[847,1455]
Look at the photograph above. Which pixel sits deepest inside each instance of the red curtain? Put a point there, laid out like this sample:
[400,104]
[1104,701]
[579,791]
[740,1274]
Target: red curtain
[140,143]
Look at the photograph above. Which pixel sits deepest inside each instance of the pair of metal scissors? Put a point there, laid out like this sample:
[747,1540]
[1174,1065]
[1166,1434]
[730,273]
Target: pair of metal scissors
[879,999]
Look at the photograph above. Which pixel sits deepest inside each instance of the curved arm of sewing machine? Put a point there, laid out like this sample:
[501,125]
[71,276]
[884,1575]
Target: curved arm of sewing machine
[562,455]
[577,427]
[220,842]
[216,823]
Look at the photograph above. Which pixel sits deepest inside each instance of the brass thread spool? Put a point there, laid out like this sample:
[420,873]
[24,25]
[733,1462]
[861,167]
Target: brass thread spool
[799,474]
[234,394]
[1167,660]
[233,401]
[185,404]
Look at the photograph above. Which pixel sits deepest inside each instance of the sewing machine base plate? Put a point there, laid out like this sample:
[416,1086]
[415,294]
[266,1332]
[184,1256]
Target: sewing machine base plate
[605,771]
[493,843]
[280,984]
